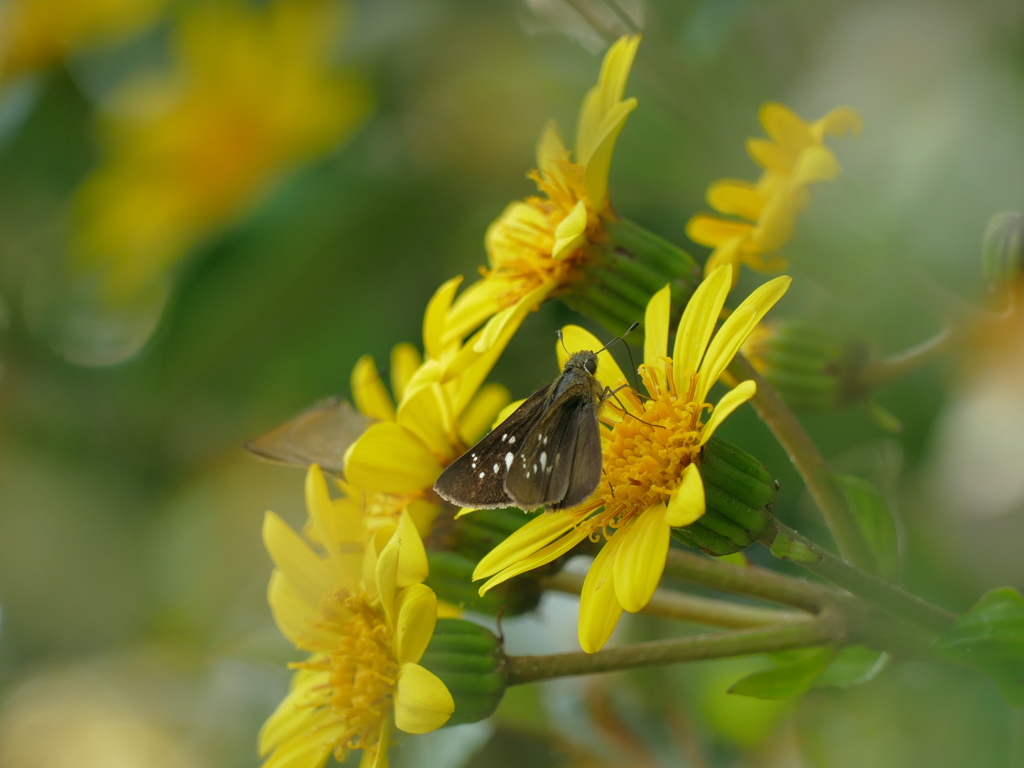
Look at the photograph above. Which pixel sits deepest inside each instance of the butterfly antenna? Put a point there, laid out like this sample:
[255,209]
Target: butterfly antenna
[561,340]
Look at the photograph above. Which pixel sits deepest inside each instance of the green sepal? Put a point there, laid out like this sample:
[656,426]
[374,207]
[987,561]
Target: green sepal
[812,367]
[470,662]
[624,269]
[739,496]
[451,578]
[785,548]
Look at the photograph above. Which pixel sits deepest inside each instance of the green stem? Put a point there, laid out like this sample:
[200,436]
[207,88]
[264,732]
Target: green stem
[889,597]
[748,580]
[823,629]
[879,372]
[698,610]
[809,463]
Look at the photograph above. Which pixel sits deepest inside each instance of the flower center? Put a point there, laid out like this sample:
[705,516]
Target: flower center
[521,242]
[645,452]
[362,670]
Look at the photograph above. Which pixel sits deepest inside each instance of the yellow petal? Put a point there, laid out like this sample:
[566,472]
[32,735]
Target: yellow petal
[641,559]
[368,391]
[571,233]
[412,556]
[294,558]
[417,616]
[816,163]
[405,359]
[435,319]
[775,226]
[730,401]
[730,252]
[295,714]
[426,415]
[687,501]
[550,148]
[784,127]
[656,325]
[712,231]
[535,559]
[599,163]
[376,756]
[738,198]
[599,607]
[385,578]
[321,508]
[770,156]
[577,339]
[837,122]
[736,328]
[309,748]
[603,97]
[698,322]
[295,615]
[422,703]
[472,308]
[481,411]
[540,531]
[388,458]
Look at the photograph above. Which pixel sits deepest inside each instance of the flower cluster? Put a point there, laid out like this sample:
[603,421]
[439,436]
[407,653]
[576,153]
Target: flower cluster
[793,156]
[351,592]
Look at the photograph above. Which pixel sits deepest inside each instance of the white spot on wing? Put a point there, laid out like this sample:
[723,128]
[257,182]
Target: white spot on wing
[508,460]
[481,475]
[496,468]
[543,459]
[504,437]
[512,440]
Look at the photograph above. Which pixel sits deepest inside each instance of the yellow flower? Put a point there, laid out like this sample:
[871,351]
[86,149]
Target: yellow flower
[793,156]
[442,408]
[38,33]
[253,95]
[537,245]
[366,619]
[652,447]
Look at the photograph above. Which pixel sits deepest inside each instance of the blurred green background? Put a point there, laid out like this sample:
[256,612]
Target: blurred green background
[134,629]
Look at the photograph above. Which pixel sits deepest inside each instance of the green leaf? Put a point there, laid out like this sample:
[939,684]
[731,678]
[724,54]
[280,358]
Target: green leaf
[854,665]
[794,674]
[874,519]
[990,638]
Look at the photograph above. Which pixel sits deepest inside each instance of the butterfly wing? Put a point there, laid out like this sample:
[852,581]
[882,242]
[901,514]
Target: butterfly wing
[477,478]
[544,472]
[319,435]
[586,460]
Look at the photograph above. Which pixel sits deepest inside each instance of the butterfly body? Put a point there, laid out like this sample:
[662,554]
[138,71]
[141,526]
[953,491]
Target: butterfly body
[547,453]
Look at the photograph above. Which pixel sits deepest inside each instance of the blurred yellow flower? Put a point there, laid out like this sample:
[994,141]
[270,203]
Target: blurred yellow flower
[793,156]
[366,618]
[37,33]
[537,244]
[652,446]
[253,95]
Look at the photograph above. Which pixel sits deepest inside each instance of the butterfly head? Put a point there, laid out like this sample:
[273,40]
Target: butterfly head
[582,362]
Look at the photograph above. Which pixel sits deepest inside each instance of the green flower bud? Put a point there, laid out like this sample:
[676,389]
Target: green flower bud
[739,496]
[470,662]
[812,367]
[624,270]
[1002,256]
